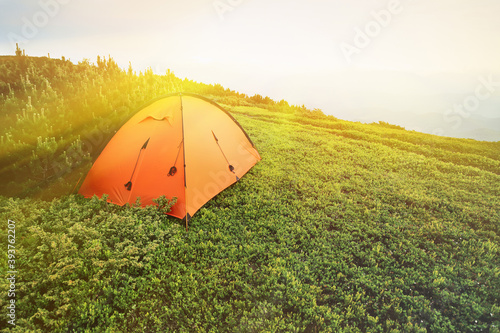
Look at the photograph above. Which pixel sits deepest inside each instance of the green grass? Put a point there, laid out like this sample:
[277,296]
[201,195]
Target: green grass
[342,227]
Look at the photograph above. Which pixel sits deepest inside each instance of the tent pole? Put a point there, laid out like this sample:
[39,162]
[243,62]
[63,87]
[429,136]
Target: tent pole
[184,158]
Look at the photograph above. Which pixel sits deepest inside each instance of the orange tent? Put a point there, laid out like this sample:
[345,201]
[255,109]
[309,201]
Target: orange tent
[180,145]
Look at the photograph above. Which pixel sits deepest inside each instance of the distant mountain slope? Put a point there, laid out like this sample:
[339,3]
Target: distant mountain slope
[474,127]
[483,133]
[398,97]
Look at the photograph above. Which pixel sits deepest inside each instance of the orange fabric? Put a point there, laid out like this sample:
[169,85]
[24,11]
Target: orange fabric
[173,129]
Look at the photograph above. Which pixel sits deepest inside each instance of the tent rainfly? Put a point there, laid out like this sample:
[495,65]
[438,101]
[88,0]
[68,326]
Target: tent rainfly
[180,145]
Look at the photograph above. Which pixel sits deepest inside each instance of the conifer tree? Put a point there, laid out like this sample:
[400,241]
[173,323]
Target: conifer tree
[19,53]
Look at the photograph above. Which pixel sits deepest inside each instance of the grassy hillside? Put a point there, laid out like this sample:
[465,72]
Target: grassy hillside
[342,227]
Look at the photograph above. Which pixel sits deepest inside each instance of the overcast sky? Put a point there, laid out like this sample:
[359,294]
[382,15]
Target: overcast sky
[314,53]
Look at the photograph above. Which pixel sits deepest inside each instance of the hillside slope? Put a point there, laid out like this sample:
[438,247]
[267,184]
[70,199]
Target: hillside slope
[342,227]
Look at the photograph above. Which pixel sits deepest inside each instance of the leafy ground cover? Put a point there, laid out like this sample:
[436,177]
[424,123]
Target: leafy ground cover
[342,227]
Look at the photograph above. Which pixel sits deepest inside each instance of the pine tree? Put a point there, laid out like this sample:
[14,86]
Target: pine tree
[19,53]
[130,69]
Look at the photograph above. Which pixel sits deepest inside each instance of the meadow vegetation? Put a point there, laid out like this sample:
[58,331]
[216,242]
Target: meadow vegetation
[342,227]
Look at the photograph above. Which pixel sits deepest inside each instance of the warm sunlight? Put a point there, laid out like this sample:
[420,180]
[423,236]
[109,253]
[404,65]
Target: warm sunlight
[250,166]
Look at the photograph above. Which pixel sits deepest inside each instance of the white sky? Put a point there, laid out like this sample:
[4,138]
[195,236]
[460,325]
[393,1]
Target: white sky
[283,49]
